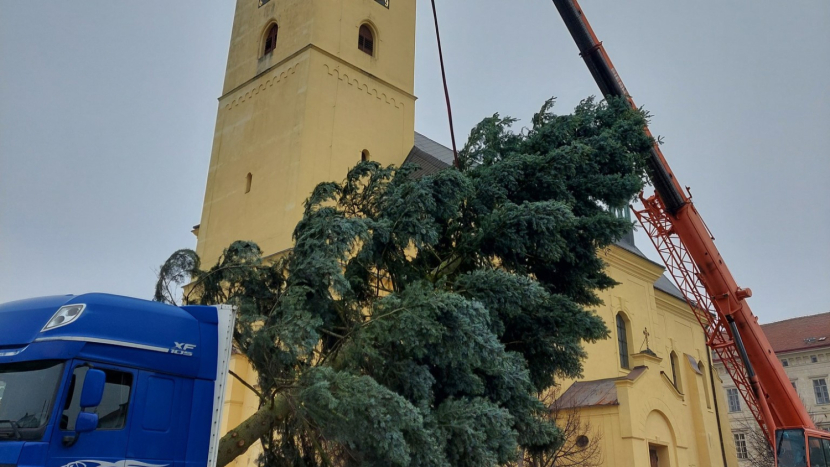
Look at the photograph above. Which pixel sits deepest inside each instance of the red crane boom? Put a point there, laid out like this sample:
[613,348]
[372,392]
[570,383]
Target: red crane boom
[694,262]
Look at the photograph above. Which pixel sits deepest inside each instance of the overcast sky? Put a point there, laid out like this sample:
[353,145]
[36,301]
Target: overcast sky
[107,113]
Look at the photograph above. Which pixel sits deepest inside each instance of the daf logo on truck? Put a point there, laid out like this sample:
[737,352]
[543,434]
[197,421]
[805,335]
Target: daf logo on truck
[183,349]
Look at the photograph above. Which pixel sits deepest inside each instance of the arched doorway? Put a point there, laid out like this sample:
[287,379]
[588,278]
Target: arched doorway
[661,440]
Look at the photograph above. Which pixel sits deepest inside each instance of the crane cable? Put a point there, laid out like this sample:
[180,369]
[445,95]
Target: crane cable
[446,89]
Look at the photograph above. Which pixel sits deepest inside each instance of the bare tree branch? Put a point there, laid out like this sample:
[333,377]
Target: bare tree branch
[581,444]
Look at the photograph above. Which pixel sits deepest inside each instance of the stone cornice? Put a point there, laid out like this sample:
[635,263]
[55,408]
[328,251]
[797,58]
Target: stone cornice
[806,351]
[299,52]
[369,89]
[679,395]
[631,263]
[643,359]
[673,305]
[364,72]
[670,300]
[263,85]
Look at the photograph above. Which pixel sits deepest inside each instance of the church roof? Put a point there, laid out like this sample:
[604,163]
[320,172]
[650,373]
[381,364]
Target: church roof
[434,148]
[432,156]
[429,155]
[664,284]
[595,393]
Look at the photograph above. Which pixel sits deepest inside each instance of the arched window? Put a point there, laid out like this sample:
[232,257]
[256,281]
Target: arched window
[366,40]
[622,340]
[248,179]
[271,39]
[364,155]
[675,371]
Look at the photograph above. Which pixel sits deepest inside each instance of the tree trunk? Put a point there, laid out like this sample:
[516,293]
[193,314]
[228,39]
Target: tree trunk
[237,441]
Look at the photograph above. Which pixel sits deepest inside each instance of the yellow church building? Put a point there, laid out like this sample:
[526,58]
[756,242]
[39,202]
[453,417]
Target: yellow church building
[314,86]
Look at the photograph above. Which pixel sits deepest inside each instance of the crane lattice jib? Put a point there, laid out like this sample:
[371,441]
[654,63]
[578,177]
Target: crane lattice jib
[694,262]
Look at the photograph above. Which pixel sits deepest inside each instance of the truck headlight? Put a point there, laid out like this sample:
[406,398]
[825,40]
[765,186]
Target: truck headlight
[65,315]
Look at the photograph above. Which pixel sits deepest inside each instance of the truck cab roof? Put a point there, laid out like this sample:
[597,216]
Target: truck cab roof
[111,328]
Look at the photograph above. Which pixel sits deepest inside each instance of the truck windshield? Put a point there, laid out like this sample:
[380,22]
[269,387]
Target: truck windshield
[27,393]
[792,451]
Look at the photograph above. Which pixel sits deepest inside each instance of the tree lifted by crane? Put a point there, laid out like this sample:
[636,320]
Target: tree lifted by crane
[688,249]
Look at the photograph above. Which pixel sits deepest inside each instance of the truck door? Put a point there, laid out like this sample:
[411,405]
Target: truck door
[160,421]
[106,445]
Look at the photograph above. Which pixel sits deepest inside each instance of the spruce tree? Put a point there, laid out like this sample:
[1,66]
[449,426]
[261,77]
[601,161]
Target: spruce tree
[416,320]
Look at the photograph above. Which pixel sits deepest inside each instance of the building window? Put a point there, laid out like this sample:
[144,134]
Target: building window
[820,388]
[366,40]
[622,340]
[364,155]
[271,39]
[813,359]
[675,371]
[733,400]
[248,179]
[740,446]
[785,362]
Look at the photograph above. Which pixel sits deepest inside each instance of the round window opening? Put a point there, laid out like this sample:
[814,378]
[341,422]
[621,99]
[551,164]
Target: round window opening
[582,441]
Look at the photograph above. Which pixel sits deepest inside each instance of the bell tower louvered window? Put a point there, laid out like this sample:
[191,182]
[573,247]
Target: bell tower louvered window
[366,40]
[271,39]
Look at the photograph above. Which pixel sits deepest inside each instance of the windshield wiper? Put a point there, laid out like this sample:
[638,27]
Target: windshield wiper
[15,428]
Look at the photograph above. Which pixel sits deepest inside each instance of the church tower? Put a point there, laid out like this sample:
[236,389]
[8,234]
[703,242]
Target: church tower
[311,88]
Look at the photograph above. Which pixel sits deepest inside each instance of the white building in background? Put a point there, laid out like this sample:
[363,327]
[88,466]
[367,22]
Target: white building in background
[803,346]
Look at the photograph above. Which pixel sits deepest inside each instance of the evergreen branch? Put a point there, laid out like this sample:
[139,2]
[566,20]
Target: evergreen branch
[385,315]
[245,383]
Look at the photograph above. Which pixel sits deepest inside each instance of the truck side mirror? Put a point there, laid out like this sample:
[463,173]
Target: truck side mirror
[86,422]
[91,395]
[93,390]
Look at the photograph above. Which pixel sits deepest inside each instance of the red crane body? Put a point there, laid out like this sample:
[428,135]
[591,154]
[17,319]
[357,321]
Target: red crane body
[692,259]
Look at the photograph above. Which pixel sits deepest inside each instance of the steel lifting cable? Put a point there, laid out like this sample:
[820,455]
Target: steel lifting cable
[446,89]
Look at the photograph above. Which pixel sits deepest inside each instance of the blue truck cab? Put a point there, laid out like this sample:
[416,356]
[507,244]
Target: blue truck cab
[100,380]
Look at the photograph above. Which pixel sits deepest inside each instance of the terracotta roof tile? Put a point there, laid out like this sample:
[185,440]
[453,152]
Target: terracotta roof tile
[805,332]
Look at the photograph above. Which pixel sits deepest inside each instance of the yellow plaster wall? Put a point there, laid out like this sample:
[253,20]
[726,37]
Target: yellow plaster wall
[651,410]
[330,26]
[336,28]
[304,113]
